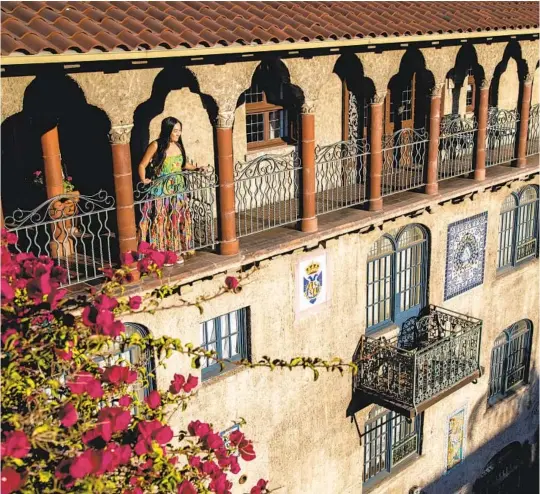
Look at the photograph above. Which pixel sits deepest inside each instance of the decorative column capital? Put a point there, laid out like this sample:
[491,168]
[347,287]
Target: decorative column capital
[485,83]
[436,90]
[378,98]
[225,119]
[528,79]
[308,106]
[120,134]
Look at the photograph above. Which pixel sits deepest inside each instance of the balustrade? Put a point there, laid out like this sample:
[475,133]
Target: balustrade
[502,127]
[533,134]
[456,146]
[431,355]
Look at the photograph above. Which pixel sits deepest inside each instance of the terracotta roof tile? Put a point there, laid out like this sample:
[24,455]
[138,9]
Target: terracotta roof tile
[57,26]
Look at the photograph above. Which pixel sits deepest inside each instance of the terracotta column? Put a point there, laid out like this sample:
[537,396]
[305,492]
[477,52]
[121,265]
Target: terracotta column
[50,146]
[309,205]
[480,161]
[375,143]
[228,242]
[119,137]
[432,187]
[524,123]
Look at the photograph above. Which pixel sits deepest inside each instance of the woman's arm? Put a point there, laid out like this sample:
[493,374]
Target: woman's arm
[148,155]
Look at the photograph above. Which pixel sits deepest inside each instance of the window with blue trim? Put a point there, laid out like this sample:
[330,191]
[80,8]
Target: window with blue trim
[518,228]
[227,336]
[510,359]
[389,439]
[396,277]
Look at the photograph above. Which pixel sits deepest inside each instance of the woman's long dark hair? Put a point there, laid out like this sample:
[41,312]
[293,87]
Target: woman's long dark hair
[163,141]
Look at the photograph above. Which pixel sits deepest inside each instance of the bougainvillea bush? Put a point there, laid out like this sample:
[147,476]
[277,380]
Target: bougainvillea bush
[73,415]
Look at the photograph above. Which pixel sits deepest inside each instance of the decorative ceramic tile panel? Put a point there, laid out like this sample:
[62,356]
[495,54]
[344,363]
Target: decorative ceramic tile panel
[465,255]
[456,438]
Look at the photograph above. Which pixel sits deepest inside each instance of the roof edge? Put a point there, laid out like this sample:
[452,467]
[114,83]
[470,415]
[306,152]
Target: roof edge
[245,49]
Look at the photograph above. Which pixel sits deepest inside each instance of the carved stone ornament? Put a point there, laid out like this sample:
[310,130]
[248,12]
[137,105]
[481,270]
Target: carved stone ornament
[439,61]
[225,119]
[529,52]
[120,134]
[378,98]
[308,106]
[436,90]
[485,83]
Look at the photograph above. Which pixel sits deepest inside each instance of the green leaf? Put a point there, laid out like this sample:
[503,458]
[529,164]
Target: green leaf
[196,363]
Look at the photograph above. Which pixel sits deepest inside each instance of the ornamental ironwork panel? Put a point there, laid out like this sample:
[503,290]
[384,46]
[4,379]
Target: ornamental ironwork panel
[440,349]
[456,146]
[533,134]
[501,132]
[72,229]
[267,192]
[178,212]
[353,116]
[404,157]
[341,173]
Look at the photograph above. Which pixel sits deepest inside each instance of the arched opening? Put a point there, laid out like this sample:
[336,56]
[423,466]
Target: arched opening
[406,118]
[503,473]
[267,181]
[177,211]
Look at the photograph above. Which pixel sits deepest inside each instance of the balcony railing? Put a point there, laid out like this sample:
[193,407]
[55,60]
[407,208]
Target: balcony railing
[533,137]
[341,170]
[404,158]
[432,357]
[456,146]
[178,212]
[501,135]
[73,229]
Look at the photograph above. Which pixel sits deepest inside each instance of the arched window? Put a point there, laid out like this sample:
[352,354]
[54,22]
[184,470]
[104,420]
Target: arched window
[389,438]
[134,356]
[503,472]
[270,111]
[510,359]
[396,277]
[518,229]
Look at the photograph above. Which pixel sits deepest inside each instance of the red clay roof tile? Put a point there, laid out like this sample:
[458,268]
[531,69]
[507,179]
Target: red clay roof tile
[32,27]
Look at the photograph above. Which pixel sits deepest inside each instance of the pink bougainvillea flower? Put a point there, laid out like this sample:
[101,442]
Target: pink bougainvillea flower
[135,302]
[125,401]
[186,487]
[244,446]
[85,383]
[103,302]
[171,257]
[127,258]
[145,248]
[200,429]
[15,444]
[191,383]
[195,461]
[214,441]
[7,333]
[11,480]
[118,374]
[153,400]
[260,487]
[232,283]
[230,462]
[85,464]
[220,485]
[152,431]
[8,237]
[7,292]
[177,384]
[69,415]
[116,416]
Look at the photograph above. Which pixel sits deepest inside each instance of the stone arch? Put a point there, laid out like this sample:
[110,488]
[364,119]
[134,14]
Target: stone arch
[413,77]
[54,99]
[454,97]
[175,92]
[358,91]
[272,76]
[508,74]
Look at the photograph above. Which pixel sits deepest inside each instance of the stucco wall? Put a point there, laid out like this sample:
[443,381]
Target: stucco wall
[329,112]
[196,126]
[305,443]
[535,99]
[509,87]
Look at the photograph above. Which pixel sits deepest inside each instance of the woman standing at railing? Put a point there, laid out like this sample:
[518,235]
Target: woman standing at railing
[166,219]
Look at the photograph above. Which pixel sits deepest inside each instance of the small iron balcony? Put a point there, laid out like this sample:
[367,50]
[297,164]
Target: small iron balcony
[433,356]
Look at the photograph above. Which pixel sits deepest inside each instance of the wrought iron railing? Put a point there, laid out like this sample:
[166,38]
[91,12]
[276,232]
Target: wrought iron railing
[501,135]
[267,192]
[178,211]
[73,229]
[431,354]
[404,157]
[456,146]
[341,172]
[533,134]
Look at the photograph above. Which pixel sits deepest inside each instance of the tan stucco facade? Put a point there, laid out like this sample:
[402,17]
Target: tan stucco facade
[305,442]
